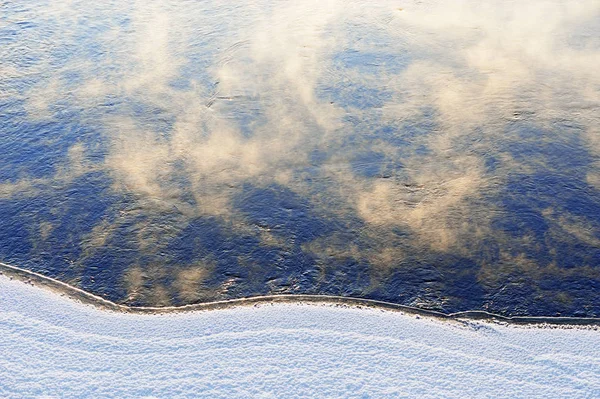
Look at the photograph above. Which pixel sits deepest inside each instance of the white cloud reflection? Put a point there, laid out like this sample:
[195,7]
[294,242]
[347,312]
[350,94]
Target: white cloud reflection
[479,66]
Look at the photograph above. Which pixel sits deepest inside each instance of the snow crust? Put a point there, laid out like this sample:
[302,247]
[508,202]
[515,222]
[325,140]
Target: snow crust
[53,347]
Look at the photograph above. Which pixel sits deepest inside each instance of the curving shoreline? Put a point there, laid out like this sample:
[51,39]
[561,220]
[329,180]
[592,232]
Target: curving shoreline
[87,298]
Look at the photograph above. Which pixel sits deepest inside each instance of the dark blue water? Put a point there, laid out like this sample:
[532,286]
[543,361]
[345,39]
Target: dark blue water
[174,152]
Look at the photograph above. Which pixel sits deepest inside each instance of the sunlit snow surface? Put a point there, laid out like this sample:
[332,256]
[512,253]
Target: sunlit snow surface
[52,347]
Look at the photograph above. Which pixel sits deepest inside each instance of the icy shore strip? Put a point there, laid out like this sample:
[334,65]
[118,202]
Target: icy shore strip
[54,347]
[91,299]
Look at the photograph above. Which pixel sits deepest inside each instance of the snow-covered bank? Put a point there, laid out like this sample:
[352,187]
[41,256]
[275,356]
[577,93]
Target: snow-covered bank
[54,347]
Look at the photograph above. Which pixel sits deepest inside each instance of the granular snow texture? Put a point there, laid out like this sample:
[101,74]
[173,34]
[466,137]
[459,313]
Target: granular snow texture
[53,347]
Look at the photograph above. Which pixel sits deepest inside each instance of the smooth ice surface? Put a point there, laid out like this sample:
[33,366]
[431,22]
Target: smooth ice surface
[53,347]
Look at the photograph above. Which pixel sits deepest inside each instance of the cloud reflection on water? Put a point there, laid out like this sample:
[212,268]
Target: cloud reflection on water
[409,127]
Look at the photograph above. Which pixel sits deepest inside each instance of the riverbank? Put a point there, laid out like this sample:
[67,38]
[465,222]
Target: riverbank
[82,296]
[55,347]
